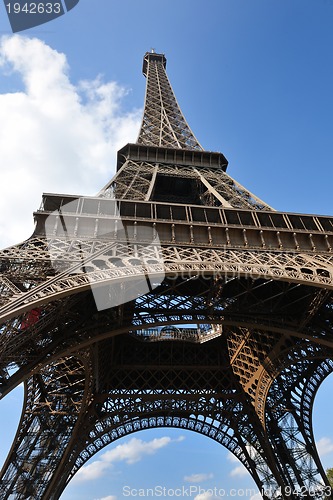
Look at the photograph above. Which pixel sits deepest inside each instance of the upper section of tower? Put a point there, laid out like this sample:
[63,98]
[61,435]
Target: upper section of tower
[163,123]
[167,164]
[152,56]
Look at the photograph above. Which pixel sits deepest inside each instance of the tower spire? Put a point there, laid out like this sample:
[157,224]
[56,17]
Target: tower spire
[163,123]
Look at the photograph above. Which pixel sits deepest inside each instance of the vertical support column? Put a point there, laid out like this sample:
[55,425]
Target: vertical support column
[53,401]
[289,424]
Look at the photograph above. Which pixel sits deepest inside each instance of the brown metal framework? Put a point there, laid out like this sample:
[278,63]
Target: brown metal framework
[233,341]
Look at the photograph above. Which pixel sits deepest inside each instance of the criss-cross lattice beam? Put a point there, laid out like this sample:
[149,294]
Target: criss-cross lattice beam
[289,423]
[247,442]
[163,123]
[128,401]
[135,180]
[54,399]
[219,260]
[313,270]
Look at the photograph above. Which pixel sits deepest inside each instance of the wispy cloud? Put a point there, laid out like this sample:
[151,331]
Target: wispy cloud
[131,452]
[55,136]
[206,496]
[232,458]
[110,497]
[135,449]
[198,478]
[324,446]
[239,470]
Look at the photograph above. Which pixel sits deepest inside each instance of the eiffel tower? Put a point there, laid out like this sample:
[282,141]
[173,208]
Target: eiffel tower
[173,298]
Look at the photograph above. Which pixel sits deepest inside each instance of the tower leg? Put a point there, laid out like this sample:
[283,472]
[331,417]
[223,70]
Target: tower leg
[53,401]
[289,425]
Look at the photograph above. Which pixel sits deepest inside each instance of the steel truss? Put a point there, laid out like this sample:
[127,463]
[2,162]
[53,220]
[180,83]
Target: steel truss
[231,337]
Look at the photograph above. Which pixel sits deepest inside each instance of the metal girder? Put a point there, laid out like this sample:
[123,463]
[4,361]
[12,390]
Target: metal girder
[136,180]
[102,269]
[53,401]
[163,123]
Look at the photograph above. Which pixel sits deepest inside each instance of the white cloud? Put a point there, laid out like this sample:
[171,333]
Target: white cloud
[239,470]
[131,452]
[198,478]
[92,471]
[232,458]
[256,497]
[110,497]
[55,136]
[324,446]
[135,449]
[206,496]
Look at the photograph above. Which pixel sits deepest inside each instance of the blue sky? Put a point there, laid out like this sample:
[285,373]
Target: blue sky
[254,79]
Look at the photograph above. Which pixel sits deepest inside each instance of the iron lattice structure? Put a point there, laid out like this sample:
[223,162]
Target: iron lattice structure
[230,336]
